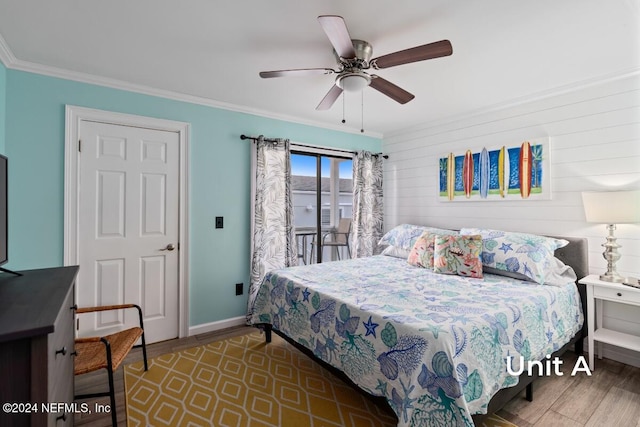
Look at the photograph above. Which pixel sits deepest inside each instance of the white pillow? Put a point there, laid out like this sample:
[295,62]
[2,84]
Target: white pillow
[395,252]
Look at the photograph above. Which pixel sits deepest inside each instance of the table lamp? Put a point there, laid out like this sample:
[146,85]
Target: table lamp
[611,208]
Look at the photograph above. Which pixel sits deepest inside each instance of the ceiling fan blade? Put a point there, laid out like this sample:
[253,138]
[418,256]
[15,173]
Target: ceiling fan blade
[414,54]
[336,29]
[392,91]
[331,96]
[296,72]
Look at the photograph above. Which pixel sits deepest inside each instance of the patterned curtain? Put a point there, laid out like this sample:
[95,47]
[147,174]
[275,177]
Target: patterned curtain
[273,238]
[367,227]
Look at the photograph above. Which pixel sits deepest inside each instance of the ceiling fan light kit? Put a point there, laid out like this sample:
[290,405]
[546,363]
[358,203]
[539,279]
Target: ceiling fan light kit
[354,57]
[353,82]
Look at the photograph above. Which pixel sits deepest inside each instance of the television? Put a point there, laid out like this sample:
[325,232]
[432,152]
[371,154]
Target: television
[4,223]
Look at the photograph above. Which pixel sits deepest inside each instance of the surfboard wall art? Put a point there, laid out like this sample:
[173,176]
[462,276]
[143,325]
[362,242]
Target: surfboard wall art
[524,170]
[503,171]
[467,173]
[451,176]
[518,171]
[483,172]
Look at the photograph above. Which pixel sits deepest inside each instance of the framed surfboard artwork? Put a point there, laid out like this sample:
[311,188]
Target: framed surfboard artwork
[514,171]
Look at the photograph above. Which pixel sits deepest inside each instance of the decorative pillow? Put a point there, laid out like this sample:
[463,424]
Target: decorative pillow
[421,254]
[395,252]
[404,236]
[417,254]
[458,255]
[521,255]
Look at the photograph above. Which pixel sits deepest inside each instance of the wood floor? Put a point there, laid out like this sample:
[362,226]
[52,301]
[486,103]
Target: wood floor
[610,397]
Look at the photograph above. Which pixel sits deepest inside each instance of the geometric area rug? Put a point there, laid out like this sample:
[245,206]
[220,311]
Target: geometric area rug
[243,381]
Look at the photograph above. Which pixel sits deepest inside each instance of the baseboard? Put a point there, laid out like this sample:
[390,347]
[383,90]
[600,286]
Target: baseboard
[216,326]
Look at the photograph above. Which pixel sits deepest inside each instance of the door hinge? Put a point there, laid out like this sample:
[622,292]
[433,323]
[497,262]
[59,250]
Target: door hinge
[80,145]
[77,324]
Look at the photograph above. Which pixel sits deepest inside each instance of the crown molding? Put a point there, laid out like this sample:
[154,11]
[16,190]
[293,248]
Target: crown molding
[11,62]
[6,56]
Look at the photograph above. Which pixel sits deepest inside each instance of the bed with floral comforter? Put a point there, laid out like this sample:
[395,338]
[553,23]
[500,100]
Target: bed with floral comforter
[433,345]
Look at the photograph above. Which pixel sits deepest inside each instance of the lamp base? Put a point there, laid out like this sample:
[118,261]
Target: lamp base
[612,256]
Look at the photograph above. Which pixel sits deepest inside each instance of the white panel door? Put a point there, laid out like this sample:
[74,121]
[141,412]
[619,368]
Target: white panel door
[128,227]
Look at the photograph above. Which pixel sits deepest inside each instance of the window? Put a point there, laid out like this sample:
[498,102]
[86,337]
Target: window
[322,189]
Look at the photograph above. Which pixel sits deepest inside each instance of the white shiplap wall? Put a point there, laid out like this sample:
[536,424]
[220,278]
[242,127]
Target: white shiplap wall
[594,134]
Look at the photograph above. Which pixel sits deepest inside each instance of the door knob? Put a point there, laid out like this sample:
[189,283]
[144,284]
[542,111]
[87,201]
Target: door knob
[169,247]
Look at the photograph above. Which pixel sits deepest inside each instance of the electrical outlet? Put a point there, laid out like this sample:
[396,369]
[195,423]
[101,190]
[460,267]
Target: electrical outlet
[219,222]
[239,288]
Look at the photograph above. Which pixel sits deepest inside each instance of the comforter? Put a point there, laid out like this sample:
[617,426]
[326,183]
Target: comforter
[435,346]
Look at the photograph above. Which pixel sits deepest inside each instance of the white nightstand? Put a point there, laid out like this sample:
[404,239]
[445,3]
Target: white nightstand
[597,291]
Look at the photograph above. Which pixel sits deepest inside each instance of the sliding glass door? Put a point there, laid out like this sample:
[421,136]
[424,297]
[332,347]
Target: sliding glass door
[322,189]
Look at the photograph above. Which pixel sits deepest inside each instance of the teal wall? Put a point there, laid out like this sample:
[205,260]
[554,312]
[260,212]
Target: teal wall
[3,85]
[219,179]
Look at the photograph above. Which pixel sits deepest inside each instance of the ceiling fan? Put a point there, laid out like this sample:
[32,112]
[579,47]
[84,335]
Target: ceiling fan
[354,57]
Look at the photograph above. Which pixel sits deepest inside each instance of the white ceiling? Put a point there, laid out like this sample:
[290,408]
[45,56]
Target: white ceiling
[503,50]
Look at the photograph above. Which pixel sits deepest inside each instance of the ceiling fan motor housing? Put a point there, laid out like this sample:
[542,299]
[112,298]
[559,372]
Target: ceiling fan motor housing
[364,51]
[352,78]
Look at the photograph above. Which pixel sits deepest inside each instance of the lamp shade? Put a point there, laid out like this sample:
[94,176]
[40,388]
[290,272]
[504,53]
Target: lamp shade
[612,207]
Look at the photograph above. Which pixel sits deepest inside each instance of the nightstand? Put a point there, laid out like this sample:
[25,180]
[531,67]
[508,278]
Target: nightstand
[598,291]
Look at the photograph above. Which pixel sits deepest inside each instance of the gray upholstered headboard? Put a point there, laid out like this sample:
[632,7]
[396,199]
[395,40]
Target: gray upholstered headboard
[576,254]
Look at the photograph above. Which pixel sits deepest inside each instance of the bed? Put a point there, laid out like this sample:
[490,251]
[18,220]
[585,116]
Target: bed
[434,346]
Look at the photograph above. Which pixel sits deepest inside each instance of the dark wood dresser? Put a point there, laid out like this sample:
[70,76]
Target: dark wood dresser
[36,346]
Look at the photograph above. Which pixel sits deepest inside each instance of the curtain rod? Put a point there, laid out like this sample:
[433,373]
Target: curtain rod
[243,137]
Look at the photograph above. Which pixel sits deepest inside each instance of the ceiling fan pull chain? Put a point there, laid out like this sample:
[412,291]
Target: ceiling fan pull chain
[343,96]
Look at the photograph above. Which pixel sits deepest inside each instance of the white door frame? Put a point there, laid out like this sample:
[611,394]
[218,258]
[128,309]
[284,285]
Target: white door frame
[74,115]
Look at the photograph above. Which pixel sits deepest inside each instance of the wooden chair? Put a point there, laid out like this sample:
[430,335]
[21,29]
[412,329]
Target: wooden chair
[108,352]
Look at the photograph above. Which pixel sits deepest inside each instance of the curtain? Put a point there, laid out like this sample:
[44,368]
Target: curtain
[273,239]
[367,227]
